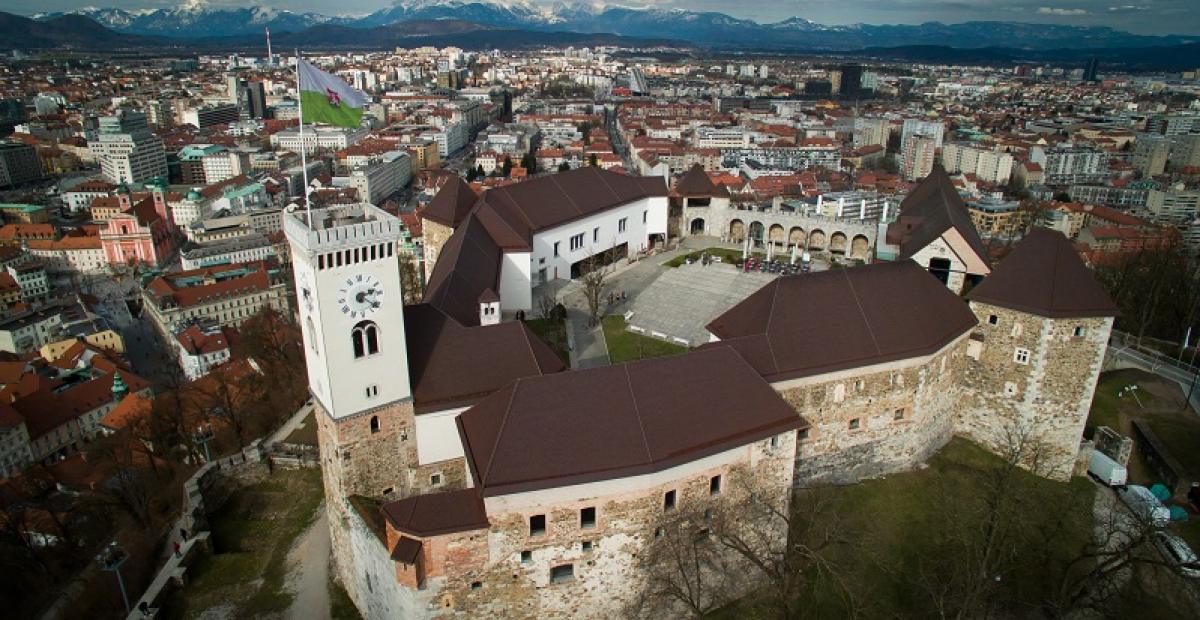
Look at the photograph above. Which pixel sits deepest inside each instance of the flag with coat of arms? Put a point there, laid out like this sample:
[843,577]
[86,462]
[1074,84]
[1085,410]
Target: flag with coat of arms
[326,98]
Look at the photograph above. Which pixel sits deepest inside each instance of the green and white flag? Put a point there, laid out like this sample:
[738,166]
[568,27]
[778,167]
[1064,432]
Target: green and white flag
[326,98]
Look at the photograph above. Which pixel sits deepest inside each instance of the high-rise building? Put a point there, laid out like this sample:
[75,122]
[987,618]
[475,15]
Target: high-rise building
[208,116]
[256,97]
[917,155]
[850,84]
[19,163]
[126,149]
[1091,69]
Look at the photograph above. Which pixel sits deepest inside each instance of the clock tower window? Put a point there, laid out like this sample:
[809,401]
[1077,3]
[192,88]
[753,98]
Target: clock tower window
[365,338]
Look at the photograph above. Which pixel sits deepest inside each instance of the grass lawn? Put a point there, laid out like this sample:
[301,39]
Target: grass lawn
[251,536]
[305,434]
[897,523]
[625,346]
[727,256]
[553,333]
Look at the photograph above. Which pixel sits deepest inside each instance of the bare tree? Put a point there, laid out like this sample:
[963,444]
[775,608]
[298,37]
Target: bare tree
[593,281]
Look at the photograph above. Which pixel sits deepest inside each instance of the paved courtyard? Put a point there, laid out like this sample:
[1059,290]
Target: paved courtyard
[682,301]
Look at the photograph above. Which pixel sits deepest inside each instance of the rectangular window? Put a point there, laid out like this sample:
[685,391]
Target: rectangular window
[556,248]
[576,242]
[1079,331]
[596,235]
[527,557]
[898,414]
[537,525]
[587,517]
[803,434]
[621,223]
[644,216]
[714,485]
[669,500]
[993,319]
[854,423]
[1021,356]
[435,480]
[774,441]
[321,261]
[563,573]
[585,546]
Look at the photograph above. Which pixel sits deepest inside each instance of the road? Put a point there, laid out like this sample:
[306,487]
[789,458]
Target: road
[309,576]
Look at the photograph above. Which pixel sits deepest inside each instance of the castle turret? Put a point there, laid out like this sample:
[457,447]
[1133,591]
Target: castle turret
[1034,360]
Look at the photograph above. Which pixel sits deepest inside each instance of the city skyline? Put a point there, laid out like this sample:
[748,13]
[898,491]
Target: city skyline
[1159,17]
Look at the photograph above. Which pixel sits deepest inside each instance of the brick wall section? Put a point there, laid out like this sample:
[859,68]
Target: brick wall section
[367,463]
[1042,402]
[434,236]
[922,391]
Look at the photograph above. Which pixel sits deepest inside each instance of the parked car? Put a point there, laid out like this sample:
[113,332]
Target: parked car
[1106,470]
[1144,505]
[1177,553]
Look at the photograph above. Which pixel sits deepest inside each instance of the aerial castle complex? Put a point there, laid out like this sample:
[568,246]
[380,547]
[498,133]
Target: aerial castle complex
[468,473]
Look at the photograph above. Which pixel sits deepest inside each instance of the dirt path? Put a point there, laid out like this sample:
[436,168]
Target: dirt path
[309,576]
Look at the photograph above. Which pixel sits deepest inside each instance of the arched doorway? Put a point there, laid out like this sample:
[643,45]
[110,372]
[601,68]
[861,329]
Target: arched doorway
[860,247]
[837,243]
[737,231]
[757,230]
[816,239]
[697,226]
[796,236]
[775,234]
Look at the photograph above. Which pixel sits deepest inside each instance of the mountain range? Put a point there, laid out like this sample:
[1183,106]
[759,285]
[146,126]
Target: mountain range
[195,19]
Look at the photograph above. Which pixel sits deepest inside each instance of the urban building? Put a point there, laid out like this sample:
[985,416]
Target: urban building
[127,151]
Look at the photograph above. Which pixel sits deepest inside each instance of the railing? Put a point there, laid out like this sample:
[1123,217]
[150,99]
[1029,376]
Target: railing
[1127,343]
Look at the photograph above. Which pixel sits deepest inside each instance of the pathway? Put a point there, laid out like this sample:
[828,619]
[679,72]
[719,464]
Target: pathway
[292,424]
[309,577]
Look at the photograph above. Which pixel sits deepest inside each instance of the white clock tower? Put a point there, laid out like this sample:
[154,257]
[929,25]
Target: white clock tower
[351,306]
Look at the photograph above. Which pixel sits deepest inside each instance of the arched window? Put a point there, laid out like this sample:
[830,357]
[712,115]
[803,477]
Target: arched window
[365,338]
[374,424]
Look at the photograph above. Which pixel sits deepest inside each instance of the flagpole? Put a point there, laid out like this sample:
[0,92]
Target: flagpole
[303,144]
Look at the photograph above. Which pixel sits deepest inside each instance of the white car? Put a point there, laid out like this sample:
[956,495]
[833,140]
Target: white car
[1144,505]
[1177,553]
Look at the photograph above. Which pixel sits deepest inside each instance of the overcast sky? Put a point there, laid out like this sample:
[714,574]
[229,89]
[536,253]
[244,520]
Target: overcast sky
[1142,16]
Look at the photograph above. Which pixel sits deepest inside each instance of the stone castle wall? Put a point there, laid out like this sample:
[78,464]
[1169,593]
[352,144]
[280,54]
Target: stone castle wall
[433,236]
[1028,384]
[867,423]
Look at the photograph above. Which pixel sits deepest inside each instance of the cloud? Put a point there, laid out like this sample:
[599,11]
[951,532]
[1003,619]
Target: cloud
[1046,10]
[1128,8]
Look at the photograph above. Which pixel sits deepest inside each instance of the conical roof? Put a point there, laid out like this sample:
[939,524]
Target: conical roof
[695,182]
[1044,275]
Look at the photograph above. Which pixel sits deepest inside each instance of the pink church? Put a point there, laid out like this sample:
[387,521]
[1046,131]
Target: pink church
[140,233]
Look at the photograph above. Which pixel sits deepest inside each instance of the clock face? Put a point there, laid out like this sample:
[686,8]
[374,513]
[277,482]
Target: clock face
[360,295]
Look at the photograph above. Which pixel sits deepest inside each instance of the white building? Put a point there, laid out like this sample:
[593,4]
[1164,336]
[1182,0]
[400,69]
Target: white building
[379,179]
[331,138]
[1071,165]
[987,165]
[127,151]
[934,130]
[200,350]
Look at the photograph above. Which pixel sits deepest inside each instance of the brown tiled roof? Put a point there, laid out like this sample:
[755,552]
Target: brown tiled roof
[929,210]
[468,264]
[654,414]
[256,280]
[438,513]
[1043,275]
[407,550]
[454,366]
[45,410]
[452,203]
[695,182]
[821,322]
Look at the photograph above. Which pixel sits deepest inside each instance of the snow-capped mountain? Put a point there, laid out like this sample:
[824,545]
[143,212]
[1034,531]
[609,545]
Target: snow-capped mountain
[196,18]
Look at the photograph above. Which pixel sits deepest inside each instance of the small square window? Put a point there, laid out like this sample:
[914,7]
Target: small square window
[714,485]
[587,517]
[774,443]
[560,574]
[993,319]
[537,525]
[585,546]
[669,500]
[1079,331]
[802,434]
[859,385]
[658,532]
[898,414]
[854,423]
[527,557]
[435,479]
[475,585]
[1021,356]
